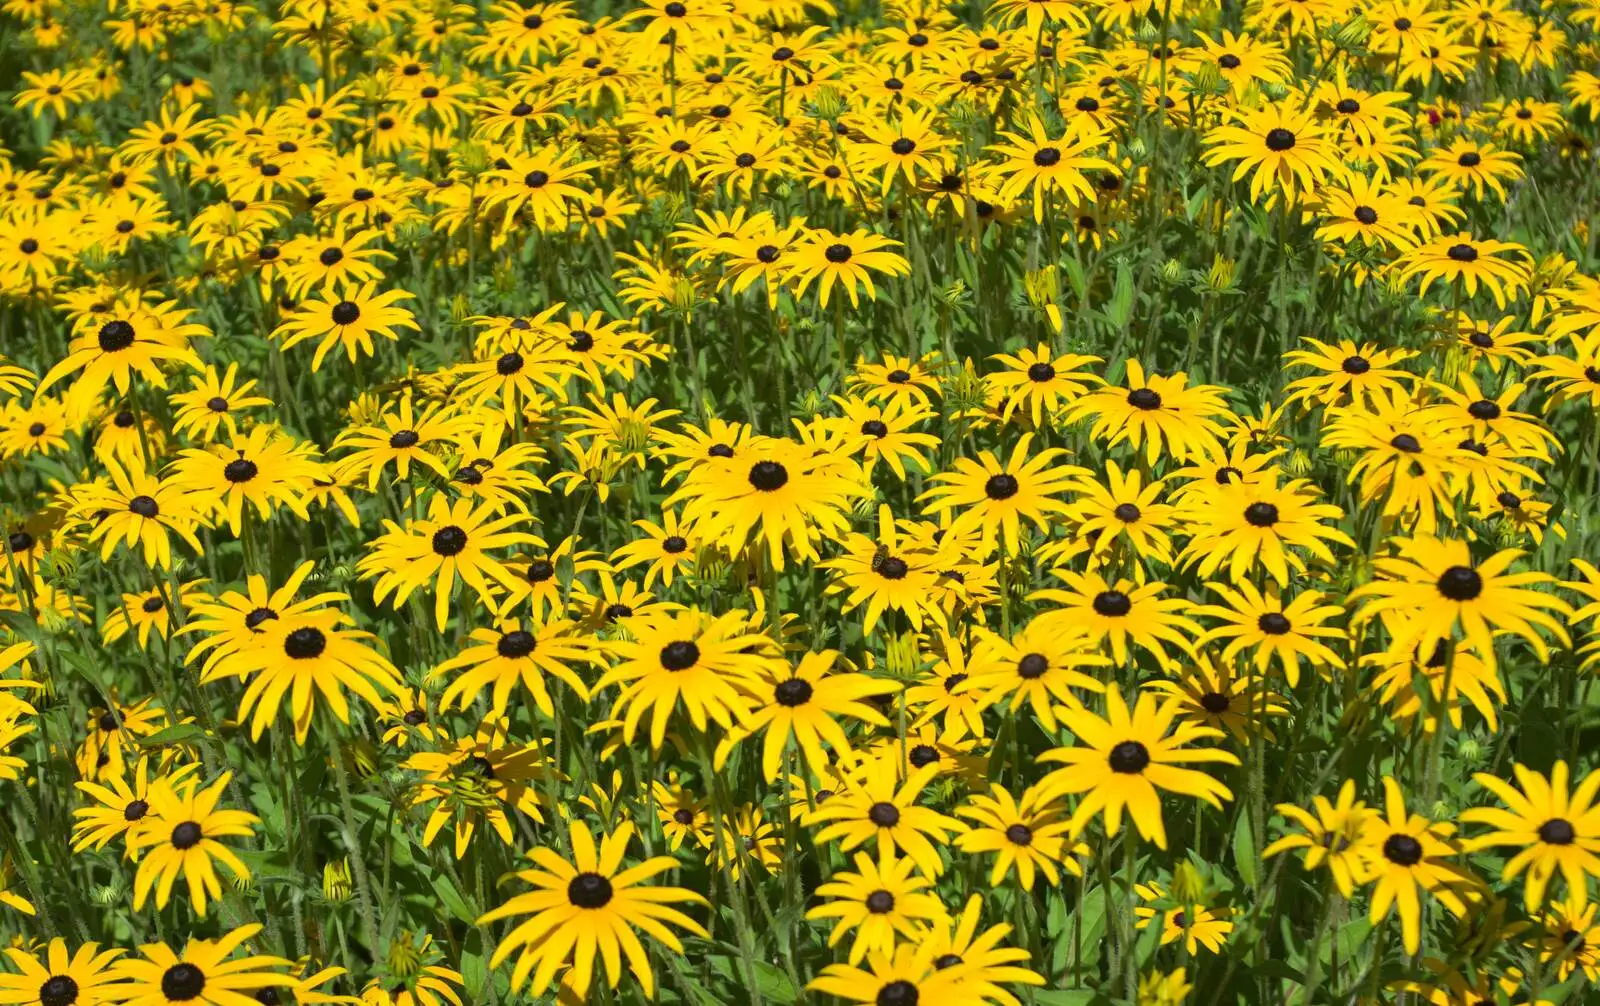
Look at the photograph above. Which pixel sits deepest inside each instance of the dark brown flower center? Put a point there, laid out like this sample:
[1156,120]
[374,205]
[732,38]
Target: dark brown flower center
[589,890]
[1129,758]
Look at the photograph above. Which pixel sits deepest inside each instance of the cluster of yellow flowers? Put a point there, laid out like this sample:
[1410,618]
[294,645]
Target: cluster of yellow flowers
[857,460]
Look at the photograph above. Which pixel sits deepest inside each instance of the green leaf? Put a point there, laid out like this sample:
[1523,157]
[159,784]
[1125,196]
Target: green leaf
[1120,308]
[1092,914]
[1075,278]
[771,982]
[1071,997]
[453,900]
[1244,851]
[182,733]
[1351,937]
[474,973]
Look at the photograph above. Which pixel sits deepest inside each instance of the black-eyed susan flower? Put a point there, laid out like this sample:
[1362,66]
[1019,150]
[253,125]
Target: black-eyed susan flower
[804,702]
[1345,373]
[1497,266]
[348,318]
[1159,412]
[888,572]
[907,975]
[478,780]
[502,657]
[776,492]
[407,720]
[1269,627]
[300,656]
[121,803]
[113,735]
[1329,834]
[1123,762]
[148,611]
[585,908]
[894,377]
[264,469]
[709,665]
[454,540]
[1033,162]
[744,839]
[120,348]
[1125,512]
[335,259]
[1479,167]
[537,582]
[214,401]
[1042,380]
[1570,939]
[1109,614]
[1029,835]
[142,512]
[178,839]
[1240,527]
[86,977]
[1554,830]
[882,809]
[1434,585]
[886,433]
[682,814]
[844,260]
[402,438]
[204,974]
[997,497]
[937,693]
[1280,146]
[1482,417]
[883,903]
[1406,855]
[1039,666]
[1195,925]
[664,550]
